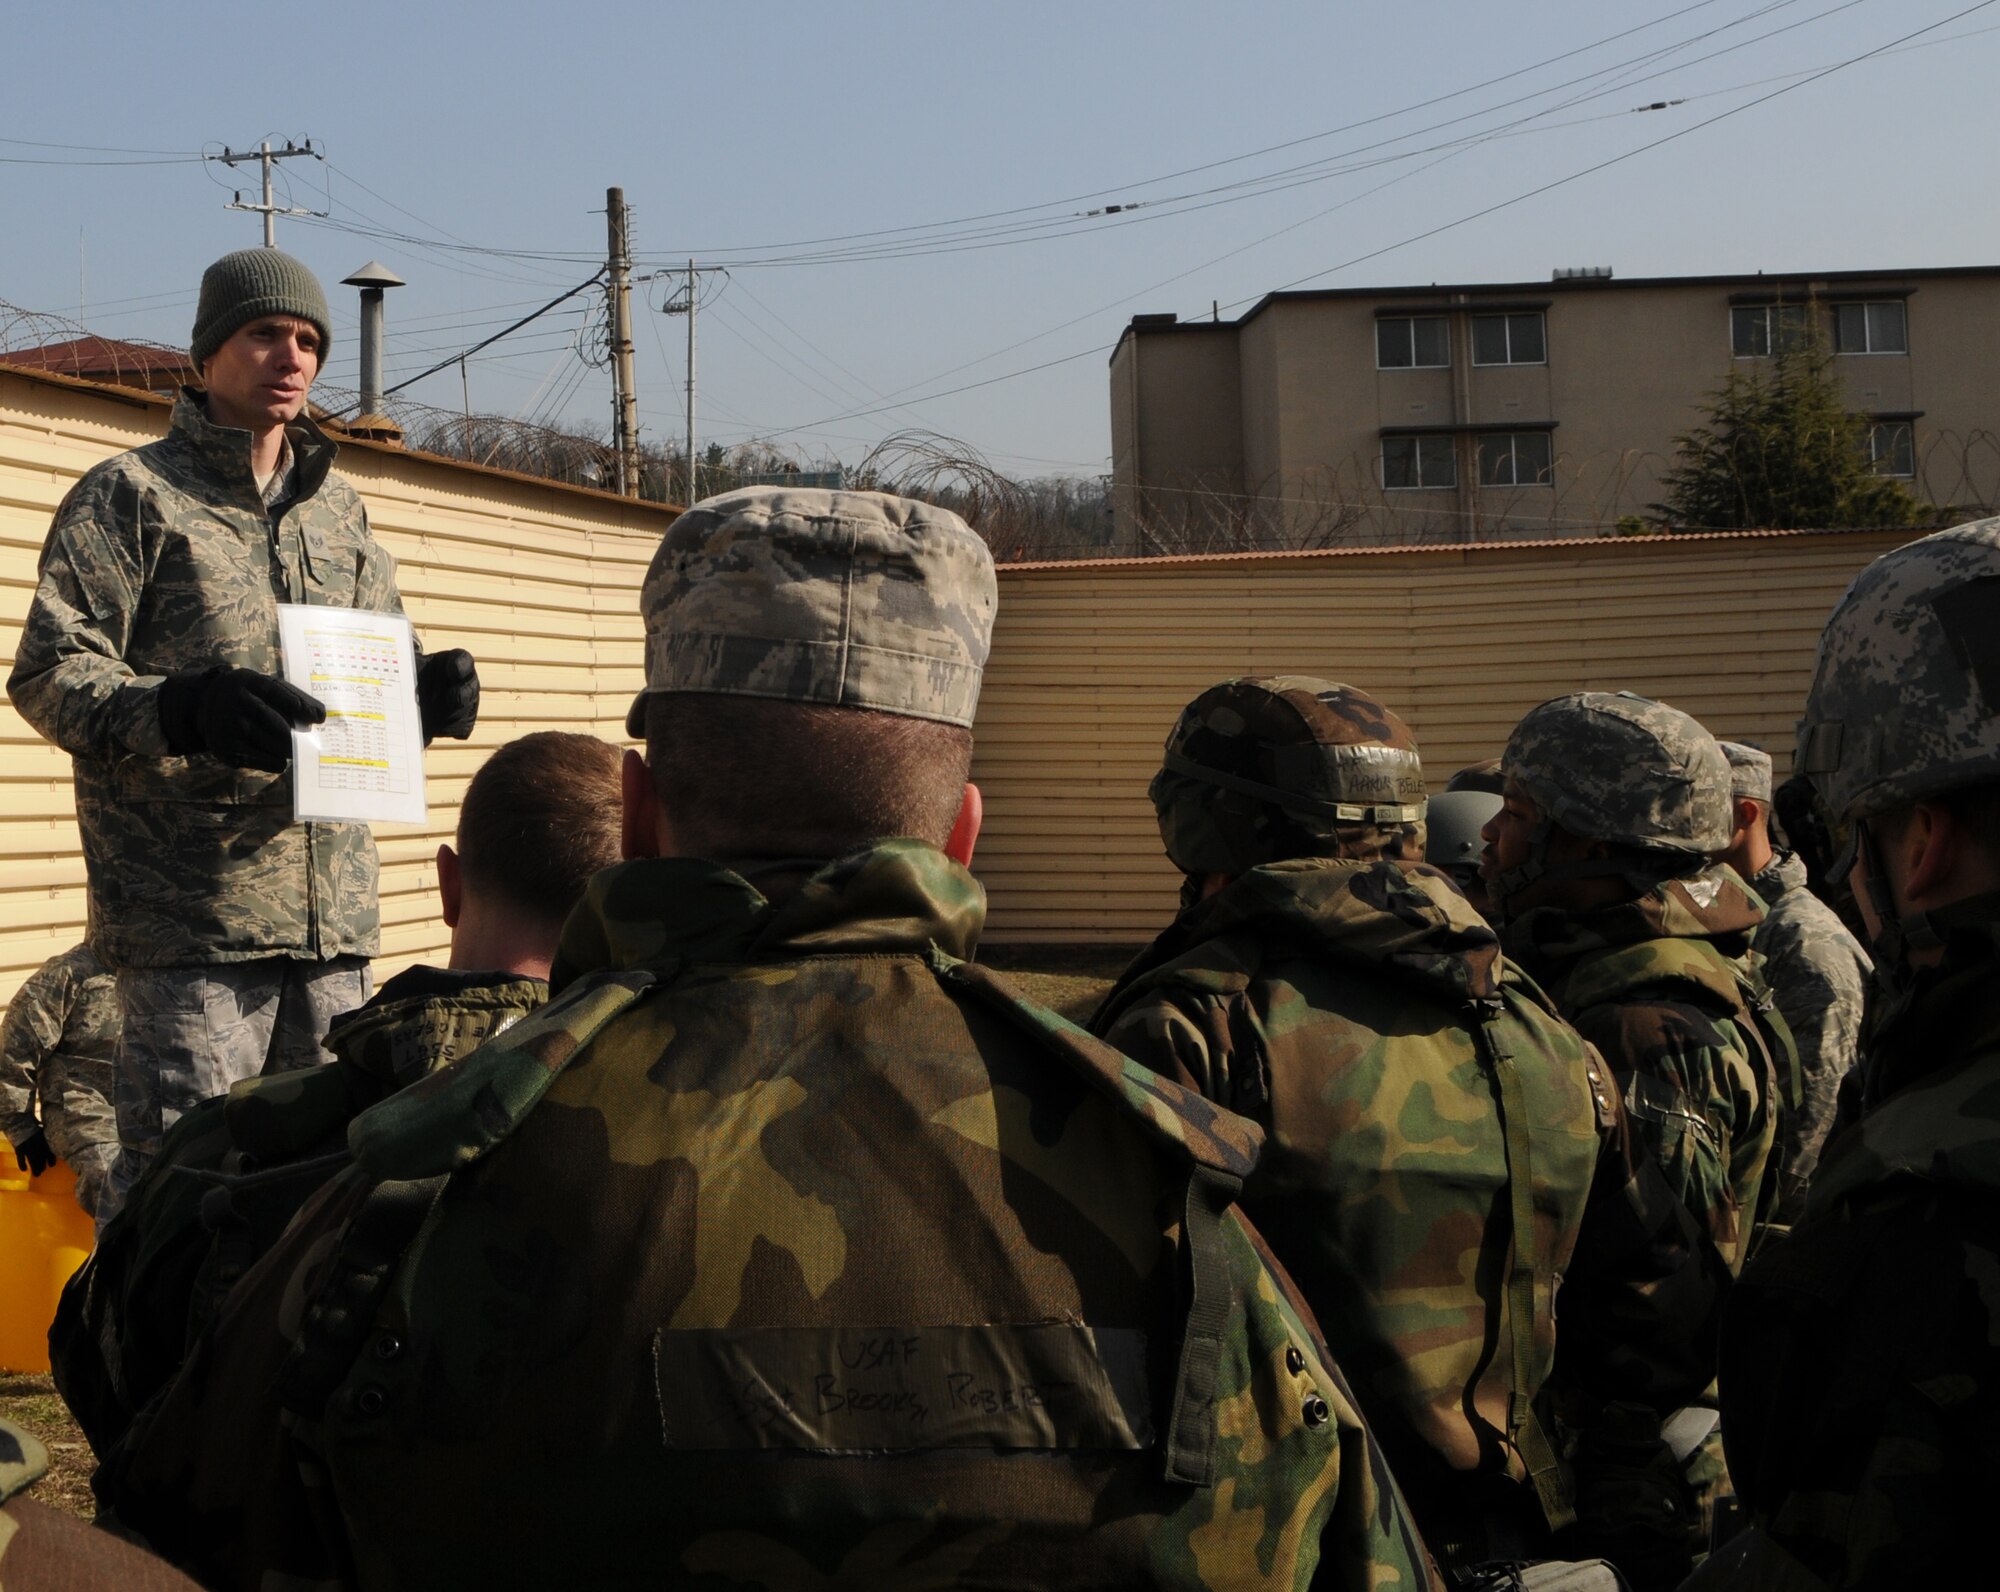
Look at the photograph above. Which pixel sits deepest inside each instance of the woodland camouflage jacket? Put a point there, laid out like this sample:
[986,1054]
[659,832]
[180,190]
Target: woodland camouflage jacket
[163,560]
[781,1249]
[1415,1089]
[1861,1372]
[234,1171]
[1662,985]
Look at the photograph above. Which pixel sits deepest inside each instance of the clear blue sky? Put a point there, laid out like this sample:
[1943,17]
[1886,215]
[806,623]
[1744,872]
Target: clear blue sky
[741,133]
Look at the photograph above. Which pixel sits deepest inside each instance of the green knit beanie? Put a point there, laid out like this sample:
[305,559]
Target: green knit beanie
[240,287]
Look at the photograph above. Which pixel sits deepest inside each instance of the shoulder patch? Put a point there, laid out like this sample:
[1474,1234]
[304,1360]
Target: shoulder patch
[454,1116]
[1178,1119]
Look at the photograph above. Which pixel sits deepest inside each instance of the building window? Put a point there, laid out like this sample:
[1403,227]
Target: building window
[1405,342]
[1412,463]
[1509,339]
[1875,328]
[1515,458]
[1756,330]
[1890,448]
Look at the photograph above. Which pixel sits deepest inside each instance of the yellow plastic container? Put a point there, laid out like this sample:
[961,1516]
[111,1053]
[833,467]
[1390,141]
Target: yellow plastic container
[44,1237]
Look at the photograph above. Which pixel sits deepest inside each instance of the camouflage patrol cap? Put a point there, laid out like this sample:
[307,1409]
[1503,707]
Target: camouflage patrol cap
[1749,771]
[1905,699]
[1620,768]
[1261,770]
[853,599]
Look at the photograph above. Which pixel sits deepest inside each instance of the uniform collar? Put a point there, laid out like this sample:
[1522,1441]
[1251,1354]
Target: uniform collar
[1713,905]
[224,451]
[1404,918]
[896,896]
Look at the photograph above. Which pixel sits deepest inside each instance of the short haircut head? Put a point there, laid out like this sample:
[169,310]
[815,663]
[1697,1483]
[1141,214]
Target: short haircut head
[539,818]
[744,777]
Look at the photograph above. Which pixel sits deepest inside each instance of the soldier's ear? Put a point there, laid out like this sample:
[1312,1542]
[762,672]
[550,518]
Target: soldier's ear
[641,820]
[965,827]
[451,886]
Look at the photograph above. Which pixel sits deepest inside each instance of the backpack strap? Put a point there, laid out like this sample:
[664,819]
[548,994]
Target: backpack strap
[1530,1282]
[1217,1147]
[454,1116]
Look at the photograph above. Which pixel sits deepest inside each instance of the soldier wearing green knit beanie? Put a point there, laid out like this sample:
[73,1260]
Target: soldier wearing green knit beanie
[151,655]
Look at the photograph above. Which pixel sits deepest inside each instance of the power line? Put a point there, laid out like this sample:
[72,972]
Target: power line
[1431,232]
[565,256]
[445,364]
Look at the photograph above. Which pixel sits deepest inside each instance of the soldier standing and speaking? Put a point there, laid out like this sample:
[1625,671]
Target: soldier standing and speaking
[58,1052]
[1817,974]
[1861,1362]
[1599,861]
[150,655]
[1441,1147]
[784,1248]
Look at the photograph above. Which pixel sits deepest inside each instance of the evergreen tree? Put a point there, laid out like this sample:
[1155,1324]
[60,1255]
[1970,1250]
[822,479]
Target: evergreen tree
[1779,450]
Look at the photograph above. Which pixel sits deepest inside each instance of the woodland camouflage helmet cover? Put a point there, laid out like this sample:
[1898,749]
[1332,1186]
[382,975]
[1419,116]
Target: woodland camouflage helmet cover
[1625,770]
[1905,699]
[1263,770]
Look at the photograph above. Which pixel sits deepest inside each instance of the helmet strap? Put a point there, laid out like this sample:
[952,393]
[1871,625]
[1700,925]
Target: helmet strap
[1894,937]
[1538,867]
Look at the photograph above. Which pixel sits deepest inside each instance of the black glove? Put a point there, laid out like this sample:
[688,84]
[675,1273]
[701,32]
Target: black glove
[448,694]
[238,715]
[33,1155]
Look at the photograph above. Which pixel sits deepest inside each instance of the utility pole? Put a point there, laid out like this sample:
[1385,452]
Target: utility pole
[265,155]
[686,304]
[624,398]
[694,466]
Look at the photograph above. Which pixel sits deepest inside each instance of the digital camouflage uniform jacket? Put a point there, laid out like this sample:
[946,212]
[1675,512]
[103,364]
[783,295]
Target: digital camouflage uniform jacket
[59,1047]
[162,560]
[1416,1089]
[1662,986]
[783,1249]
[230,1176]
[1861,1366]
[1818,975]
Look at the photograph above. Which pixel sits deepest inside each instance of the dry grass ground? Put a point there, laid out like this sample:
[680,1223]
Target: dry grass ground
[1072,979]
[32,1402]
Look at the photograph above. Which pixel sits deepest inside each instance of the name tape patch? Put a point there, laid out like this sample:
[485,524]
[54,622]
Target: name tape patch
[1053,1385]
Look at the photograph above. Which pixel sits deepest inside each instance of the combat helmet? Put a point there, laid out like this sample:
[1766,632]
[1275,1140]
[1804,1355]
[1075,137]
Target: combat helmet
[1637,775]
[1905,704]
[1261,770]
[1905,699]
[1451,830]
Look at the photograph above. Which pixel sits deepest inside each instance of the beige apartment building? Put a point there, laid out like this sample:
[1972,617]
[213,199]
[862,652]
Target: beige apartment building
[1469,412]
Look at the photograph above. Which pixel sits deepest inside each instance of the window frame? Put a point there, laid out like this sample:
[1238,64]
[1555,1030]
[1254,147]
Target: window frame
[1773,314]
[1418,441]
[1410,321]
[1513,442]
[1875,456]
[1506,319]
[1867,330]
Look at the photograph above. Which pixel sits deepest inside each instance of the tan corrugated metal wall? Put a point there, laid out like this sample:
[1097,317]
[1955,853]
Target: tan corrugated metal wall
[1091,664]
[540,582]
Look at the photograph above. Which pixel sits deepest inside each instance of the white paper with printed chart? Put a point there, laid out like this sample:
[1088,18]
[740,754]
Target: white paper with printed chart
[366,762]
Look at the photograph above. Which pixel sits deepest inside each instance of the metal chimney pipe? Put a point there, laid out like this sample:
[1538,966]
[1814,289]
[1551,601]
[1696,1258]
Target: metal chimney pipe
[373,279]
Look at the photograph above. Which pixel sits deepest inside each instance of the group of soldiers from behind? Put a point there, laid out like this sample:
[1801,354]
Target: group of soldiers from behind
[1363,1241]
